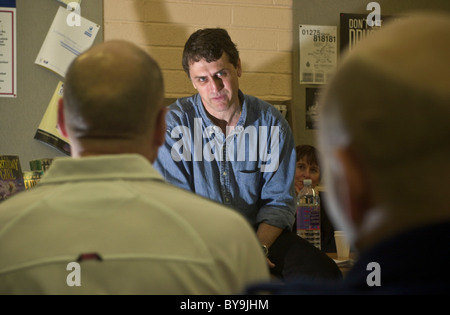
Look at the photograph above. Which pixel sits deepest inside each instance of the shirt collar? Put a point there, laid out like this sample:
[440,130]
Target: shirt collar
[241,122]
[130,166]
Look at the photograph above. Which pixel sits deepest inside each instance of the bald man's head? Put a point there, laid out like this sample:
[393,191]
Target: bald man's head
[113,90]
[384,128]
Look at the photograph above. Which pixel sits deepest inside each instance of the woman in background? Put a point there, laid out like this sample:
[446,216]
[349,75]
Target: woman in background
[308,167]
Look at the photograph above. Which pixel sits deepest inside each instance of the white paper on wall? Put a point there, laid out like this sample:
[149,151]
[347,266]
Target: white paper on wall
[65,41]
[8,52]
[318,53]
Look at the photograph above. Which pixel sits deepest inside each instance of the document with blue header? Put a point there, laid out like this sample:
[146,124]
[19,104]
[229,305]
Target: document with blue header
[66,40]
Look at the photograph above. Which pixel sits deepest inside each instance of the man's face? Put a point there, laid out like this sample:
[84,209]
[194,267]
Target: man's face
[217,83]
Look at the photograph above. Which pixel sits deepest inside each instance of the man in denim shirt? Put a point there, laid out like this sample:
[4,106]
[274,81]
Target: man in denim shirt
[231,147]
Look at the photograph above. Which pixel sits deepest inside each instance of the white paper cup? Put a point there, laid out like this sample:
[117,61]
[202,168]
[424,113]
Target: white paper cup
[342,245]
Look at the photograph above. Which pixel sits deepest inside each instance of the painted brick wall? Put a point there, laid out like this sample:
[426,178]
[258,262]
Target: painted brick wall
[262,30]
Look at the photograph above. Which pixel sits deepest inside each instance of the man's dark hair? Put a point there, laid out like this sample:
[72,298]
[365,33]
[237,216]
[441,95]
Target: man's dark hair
[209,44]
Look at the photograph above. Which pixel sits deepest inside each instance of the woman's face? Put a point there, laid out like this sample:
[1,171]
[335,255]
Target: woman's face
[303,171]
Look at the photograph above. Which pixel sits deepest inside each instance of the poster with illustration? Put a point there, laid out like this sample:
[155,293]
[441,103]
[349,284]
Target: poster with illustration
[318,53]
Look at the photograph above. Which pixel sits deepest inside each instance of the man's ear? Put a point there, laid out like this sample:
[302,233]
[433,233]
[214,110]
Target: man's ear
[61,118]
[358,185]
[160,127]
[239,68]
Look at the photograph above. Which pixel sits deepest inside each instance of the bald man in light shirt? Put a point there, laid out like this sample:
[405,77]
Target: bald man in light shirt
[103,221]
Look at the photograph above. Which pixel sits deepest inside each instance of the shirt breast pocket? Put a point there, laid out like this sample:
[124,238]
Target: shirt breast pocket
[250,182]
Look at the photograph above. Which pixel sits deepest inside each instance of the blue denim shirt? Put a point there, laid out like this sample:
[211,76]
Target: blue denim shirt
[251,170]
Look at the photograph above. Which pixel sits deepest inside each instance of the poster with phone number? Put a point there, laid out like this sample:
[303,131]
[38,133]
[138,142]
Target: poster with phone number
[318,53]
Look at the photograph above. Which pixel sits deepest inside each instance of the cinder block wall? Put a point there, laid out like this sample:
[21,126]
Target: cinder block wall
[262,30]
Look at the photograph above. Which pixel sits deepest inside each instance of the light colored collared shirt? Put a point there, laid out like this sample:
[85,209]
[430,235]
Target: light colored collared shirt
[251,170]
[129,232]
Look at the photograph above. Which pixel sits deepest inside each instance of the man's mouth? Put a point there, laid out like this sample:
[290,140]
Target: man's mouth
[218,98]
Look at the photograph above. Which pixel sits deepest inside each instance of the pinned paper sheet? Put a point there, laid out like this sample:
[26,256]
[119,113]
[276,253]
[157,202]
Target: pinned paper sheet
[64,42]
[67,2]
[318,53]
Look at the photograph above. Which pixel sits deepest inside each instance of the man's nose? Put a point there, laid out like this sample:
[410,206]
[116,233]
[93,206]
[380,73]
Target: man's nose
[216,85]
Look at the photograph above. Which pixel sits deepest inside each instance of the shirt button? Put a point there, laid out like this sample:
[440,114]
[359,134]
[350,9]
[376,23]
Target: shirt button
[224,173]
[227,200]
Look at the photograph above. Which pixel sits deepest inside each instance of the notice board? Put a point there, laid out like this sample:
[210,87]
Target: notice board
[21,116]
